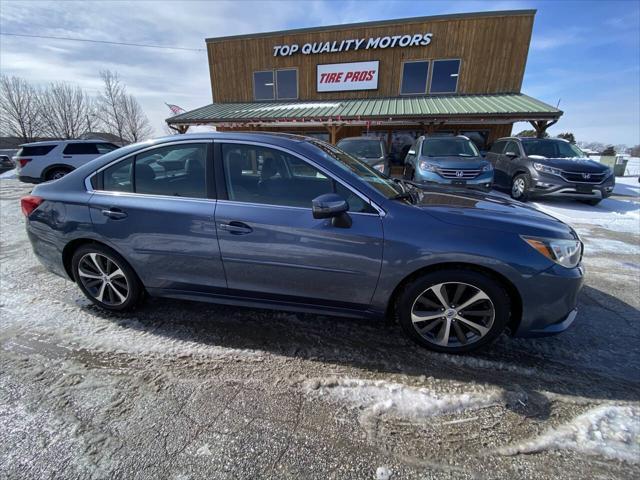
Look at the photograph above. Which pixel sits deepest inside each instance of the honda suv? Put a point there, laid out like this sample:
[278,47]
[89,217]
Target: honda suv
[452,161]
[43,161]
[536,167]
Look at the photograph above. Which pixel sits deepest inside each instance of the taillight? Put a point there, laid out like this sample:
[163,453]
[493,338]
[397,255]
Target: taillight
[30,203]
[23,161]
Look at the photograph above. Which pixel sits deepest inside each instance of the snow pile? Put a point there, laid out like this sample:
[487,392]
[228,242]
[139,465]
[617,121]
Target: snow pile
[9,174]
[378,397]
[383,473]
[607,430]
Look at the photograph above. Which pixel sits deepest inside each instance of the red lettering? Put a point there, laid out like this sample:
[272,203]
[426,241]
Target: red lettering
[348,76]
[339,77]
[323,77]
[370,76]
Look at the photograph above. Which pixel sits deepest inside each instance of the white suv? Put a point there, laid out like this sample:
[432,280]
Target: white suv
[43,161]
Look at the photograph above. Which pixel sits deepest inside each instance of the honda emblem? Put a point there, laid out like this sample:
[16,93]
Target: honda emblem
[459,173]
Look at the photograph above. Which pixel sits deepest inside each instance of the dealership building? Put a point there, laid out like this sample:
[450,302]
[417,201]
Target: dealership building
[397,79]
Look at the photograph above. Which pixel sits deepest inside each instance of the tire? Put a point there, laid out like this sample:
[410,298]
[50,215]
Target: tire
[56,173]
[520,186]
[593,201]
[408,173]
[92,263]
[468,330]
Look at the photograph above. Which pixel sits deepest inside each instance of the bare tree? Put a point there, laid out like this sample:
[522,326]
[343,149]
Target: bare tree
[108,107]
[19,108]
[136,124]
[64,110]
[120,113]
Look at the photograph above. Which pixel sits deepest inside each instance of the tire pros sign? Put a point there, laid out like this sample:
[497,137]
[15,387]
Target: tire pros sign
[339,77]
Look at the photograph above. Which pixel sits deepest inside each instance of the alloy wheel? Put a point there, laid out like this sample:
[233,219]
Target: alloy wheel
[452,314]
[518,187]
[103,279]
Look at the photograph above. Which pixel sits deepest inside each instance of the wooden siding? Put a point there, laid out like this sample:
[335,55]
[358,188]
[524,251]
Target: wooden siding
[493,52]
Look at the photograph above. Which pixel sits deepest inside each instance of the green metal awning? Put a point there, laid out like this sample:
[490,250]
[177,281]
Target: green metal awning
[490,108]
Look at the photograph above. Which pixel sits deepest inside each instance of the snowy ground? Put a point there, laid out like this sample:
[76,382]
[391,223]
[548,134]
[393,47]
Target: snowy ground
[184,390]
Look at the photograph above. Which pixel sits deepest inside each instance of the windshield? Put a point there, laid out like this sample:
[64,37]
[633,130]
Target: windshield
[449,147]
[383,184]
[362,148]
[551,149]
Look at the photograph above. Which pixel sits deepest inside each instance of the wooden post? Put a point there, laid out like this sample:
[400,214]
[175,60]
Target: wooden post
[333,132]
[540,126]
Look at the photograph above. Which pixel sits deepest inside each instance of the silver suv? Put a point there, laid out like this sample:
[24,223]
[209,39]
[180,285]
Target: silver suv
[43,161]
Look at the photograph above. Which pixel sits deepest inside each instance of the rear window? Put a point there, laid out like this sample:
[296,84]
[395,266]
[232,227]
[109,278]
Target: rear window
[362,148]
[81,149]
[34,150]
[106,147]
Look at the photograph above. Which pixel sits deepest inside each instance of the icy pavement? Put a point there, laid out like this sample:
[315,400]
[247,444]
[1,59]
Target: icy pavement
[183,390]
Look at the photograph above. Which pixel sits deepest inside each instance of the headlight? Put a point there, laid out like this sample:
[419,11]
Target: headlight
[487,168]
[565,252]
[547,169]
[379,167]
[430,167]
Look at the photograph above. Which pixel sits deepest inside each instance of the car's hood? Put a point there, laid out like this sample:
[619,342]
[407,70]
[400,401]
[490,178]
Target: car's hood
[485,210]
[457,162]
[571,164]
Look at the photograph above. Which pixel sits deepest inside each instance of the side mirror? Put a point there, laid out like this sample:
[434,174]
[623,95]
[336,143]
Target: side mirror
[332,205]
[511,154]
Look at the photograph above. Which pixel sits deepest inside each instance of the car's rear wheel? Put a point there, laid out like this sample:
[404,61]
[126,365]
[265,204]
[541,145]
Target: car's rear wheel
[520,186]
[454,311]
[106,278]
[56,173]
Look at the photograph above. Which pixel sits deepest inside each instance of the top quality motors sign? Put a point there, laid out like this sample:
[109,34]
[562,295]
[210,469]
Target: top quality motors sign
[353,44]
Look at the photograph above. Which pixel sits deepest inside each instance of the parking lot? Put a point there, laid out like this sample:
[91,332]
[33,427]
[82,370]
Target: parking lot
[184,390]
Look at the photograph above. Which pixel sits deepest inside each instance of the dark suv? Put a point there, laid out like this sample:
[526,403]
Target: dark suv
[532,167]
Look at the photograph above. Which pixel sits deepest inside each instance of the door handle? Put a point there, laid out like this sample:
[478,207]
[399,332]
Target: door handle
[114,213]
[236,228]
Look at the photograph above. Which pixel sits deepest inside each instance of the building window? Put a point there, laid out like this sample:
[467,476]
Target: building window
[444,77]
[287,84]
[281,85]
[263,86]
[414,78]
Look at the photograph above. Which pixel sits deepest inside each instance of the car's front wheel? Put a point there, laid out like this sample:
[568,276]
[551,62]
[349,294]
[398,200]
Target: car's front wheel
[454,311]
[106,278]
[520,186]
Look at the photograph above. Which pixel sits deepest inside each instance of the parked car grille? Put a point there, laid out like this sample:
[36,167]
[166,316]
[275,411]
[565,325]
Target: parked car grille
[459,173]
[583,177]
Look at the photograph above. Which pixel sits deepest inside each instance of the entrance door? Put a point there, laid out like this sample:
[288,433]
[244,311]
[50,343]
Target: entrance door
[272,246]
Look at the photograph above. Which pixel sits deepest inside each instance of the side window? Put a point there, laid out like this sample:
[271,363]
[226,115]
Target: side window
[80,149]
[177,170]
[106,147]
[512,147]
[117,178]
[256,174]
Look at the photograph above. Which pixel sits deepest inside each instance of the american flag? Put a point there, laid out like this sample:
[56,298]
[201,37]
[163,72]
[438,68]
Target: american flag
[175,109]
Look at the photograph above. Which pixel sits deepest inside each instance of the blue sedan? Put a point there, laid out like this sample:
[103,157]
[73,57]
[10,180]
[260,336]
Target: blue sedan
[293,223]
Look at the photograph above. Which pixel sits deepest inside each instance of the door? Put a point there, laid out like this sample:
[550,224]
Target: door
[493,156]
[508,160]
[157,209]
[272,246]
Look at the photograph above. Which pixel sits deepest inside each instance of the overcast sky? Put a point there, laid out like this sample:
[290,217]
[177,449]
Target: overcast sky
[585,54]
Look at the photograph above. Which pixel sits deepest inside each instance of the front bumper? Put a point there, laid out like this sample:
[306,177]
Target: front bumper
[546,185]
[549,301]
[484,180]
